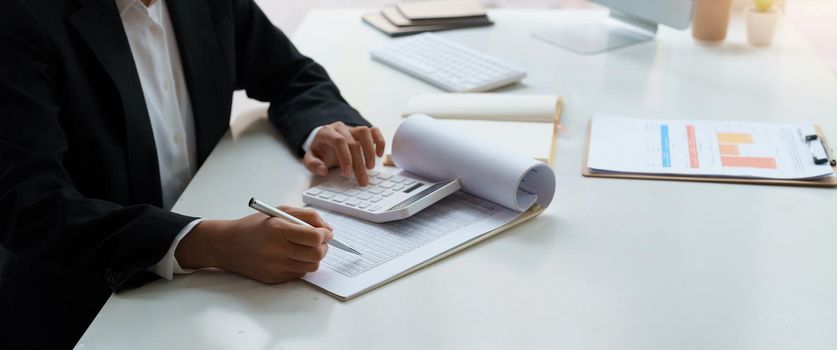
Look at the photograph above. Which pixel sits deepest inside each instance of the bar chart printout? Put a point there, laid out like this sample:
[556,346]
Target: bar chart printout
[702,148]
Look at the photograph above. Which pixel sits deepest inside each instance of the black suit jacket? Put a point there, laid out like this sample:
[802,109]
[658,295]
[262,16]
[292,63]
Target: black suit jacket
[79,180]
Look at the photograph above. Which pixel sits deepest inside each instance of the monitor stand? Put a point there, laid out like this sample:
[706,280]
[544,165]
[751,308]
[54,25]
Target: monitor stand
[588,38]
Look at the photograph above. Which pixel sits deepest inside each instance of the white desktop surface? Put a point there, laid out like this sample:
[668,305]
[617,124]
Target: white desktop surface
[612,264]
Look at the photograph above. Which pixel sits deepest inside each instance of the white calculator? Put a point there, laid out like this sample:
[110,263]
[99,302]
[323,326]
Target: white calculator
[389,196]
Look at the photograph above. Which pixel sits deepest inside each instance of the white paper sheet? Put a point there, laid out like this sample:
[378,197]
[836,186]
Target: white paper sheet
[531,139]
[484,106]
[703,148]
[429,148]
[391,248]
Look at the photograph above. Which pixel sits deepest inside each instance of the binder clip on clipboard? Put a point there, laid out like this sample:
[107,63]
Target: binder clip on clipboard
[820,150]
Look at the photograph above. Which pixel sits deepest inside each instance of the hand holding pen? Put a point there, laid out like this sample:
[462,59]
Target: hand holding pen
[259,247]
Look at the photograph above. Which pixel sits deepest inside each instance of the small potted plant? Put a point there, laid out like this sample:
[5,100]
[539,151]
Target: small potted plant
[762,19]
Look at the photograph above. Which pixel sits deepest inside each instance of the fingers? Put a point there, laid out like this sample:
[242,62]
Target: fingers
[356,154]
[314,164]
[353,149]
[380,142]
[300,234]
[364,136]
[306,254]
[308,215]
[340,145]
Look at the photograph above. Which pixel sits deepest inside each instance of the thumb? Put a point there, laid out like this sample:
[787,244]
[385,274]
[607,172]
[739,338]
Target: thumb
[314,164]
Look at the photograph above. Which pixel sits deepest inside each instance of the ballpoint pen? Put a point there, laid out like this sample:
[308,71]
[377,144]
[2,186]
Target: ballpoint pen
[276,213]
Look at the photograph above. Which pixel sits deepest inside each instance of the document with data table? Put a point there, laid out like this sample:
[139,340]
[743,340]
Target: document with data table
[500,188]
[391,248]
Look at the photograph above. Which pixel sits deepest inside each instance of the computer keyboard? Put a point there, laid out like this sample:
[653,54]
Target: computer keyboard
[388,196]
[447,65]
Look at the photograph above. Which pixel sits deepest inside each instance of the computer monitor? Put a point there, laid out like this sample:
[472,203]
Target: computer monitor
[631,22]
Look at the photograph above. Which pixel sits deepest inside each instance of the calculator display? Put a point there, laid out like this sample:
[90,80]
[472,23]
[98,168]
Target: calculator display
[417,197]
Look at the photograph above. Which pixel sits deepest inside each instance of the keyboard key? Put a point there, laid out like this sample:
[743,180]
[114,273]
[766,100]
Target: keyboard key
[352,192]
[326,195]
[364,205]
[339,198]
[377,199]
[398,187]
[384,176]
[364,196]
[375,190]
[353,202]
[387,193]
[374,181]
[398,179]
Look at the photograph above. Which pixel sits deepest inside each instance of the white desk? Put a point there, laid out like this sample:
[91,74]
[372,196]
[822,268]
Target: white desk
[612,264]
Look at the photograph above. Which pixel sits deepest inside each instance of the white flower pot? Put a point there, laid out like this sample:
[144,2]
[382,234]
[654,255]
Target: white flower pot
[761,26]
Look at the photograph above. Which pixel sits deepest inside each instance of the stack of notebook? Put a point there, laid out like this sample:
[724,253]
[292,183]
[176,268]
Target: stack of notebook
[413,17]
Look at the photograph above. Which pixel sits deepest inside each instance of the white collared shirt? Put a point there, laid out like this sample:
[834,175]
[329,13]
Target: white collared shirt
[157,58]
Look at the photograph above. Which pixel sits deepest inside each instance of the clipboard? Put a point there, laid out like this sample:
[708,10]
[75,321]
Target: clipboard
[825,182]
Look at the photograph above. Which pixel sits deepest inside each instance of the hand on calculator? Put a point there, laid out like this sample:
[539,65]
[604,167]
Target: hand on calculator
[353,149]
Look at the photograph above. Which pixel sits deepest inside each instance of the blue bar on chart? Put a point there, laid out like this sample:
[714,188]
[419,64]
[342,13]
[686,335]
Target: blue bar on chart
[664,146]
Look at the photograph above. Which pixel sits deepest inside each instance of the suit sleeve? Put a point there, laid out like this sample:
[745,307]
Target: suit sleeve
[43,218]
[301,94]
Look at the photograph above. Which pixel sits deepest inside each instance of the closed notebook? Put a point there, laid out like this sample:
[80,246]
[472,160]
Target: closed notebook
[429,10]
[395,17]
[381,23]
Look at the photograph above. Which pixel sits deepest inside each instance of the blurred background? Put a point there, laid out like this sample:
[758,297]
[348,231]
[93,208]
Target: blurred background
[816,20]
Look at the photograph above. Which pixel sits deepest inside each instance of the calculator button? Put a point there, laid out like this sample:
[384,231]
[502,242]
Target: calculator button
[352,192]
[373,172]
[353,202]
[398,179]
[364,196]
[339,198]
[336,187]
[364,205]
[375,208]
[314,192]
[409,182]
[326,195]
[384,176]
[375,190]
[387,193]
[387,185]
[377,199]
[374,181]
[398,187]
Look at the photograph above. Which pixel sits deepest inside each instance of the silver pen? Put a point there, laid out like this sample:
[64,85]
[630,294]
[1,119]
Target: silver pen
[276,213]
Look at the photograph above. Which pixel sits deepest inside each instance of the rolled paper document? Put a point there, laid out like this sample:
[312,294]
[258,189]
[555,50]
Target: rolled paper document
[428,148]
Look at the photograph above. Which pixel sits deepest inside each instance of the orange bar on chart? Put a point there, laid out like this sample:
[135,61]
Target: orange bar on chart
[729,150]
[731,137]
[749,162]
[693,155]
